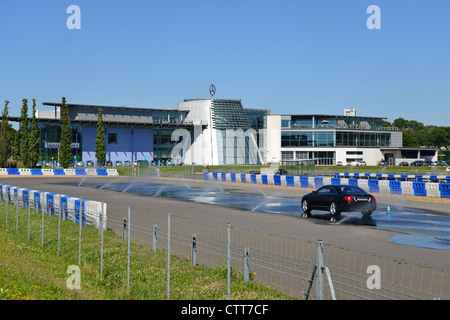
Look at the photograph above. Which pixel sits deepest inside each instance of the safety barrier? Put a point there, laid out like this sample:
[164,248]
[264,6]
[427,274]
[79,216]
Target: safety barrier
[376,183]
[395,187]
[52,203]
[444,189]
[419,189]
[36,172]
[13,171]
[102,172]
[24,172]
[59,172]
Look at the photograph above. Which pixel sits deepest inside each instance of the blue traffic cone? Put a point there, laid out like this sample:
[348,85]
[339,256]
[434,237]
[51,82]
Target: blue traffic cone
[388,210]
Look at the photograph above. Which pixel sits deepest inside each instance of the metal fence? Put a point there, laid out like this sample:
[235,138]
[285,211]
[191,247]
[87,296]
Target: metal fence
[298,268]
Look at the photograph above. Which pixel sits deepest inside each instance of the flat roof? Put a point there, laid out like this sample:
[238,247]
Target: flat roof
[58,104]
[331,116]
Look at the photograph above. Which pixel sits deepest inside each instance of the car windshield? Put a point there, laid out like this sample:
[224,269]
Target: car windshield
[351,189]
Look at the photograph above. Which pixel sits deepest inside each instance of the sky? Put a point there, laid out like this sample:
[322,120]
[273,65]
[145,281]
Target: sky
[289,56]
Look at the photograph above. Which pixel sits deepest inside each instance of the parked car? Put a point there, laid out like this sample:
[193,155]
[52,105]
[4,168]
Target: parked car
[427,162]
[404,164]
[383,163]
[127,163]
[281,172]
[417,163]
[337,199]
[119,163]
[80,164]
[109,163]
[89,163]
[448,169]
[439,163]
[339,163]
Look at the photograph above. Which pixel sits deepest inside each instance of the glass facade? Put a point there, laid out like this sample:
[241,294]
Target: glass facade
[50,134]
[318,138]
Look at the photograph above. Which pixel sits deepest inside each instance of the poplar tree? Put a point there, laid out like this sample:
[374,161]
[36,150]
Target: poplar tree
[100,152]
[4,136]
[33,140]
[65,150]
[23,133]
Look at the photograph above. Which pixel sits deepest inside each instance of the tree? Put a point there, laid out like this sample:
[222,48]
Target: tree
[100,152]
[65,149]
[4,136]
[23,133]
[33,140]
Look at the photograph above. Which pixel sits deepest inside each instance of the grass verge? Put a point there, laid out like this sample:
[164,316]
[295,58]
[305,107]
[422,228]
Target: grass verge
[32,270]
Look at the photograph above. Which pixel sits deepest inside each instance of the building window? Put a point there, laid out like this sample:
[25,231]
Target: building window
[112,138]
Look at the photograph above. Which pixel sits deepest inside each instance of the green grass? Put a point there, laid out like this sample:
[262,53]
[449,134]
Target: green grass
[32,271]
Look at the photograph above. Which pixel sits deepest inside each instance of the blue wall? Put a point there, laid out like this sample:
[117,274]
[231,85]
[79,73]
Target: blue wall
[132,144]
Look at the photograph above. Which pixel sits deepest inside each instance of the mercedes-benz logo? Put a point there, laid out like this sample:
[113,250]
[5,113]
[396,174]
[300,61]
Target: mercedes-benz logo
[212,90]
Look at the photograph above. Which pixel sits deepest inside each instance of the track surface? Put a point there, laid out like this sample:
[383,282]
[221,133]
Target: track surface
[354,237]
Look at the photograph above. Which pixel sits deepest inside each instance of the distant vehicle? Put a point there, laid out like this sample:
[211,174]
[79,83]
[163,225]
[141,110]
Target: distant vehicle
[337,199]
[404,164]
[448,169]
[119,163]
[439,163]
[358,163]
[39,164]
[89,163]
[427,163]
[448,162]
[281,172]
[127,163]
[383,163]
[109,163]
[417,163]
[339,163]
[80,164]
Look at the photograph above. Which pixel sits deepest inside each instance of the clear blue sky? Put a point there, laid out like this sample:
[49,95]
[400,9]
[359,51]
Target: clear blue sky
[291,56]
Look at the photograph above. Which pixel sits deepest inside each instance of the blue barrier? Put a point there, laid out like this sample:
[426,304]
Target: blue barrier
[223,176]
[37,200]
[304,182]
[264,179]
[448,179]
[318,182]
[395,187]
[13,171]
[25,196]
[65,207]
[233,177]
[444,188]
[206,176]
[277,180]
[1,192]
[51,203]
[215,176]
[10,197]
[253,179]
[356,174]
[373,185]
[434,178]
[243,178]
[36,172]
[102,172]
[290,181]
[404,177]
[59,172]
[367,175]
[335,180]
[337,174]
[419,189]
[391,177]
[346,175]
[77,212]
[419,178]
[80,172]
[353,181]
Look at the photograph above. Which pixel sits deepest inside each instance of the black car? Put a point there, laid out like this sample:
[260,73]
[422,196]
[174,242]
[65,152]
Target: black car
[337,199]
[417,163]
[281,172]
[109,163]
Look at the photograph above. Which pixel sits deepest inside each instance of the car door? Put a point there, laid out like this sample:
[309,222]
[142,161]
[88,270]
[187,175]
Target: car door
[323,197]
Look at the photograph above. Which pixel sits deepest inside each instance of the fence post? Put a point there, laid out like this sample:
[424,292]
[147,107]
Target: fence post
[194,249]
[80,222]
[246,265]
[29,215]
[59,222]
[17,211]
[228,261]
[128,253]
[155,236]
[7,200]
[42,228]
[319,280]
[101,241]
[168,256]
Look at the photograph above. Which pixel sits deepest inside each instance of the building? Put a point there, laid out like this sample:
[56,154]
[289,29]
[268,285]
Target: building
[223,132]
[334,139]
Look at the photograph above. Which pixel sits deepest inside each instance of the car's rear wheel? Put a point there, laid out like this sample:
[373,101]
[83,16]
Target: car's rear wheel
[334,211]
